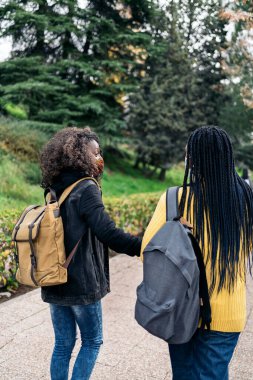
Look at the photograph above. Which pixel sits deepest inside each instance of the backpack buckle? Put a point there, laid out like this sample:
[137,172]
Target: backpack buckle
[185,223]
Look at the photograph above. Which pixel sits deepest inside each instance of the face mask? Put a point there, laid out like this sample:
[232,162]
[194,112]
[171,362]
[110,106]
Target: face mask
[100,165]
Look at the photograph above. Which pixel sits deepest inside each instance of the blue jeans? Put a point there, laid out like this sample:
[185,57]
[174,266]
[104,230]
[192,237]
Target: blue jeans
[65,319]
[205,357]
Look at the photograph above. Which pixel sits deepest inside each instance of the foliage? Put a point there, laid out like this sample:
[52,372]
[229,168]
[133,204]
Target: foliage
[49,129]
[177,94]
[24,139]
[7,251]
[239,53]
[206,39]
[238,62]
[134,212]
[72,64]
[20,140]
[244,154]
[237,116]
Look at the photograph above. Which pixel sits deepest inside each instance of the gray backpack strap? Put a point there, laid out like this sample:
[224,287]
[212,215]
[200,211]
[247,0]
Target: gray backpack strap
[172,210]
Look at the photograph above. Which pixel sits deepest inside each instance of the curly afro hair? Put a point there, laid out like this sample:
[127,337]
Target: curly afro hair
[67,150]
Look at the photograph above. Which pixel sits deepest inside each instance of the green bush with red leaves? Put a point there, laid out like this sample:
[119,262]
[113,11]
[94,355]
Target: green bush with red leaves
[7,251]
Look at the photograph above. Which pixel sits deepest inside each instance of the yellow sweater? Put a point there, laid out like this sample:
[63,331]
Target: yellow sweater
[228,310]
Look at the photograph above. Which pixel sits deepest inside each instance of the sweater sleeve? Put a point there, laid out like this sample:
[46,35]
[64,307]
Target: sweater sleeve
[157,221]
[92,210]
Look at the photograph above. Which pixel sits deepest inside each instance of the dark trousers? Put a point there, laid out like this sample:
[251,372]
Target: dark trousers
[205,357]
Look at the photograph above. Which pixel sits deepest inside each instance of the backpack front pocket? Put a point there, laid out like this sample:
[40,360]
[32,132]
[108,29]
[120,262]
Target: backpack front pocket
[155,318]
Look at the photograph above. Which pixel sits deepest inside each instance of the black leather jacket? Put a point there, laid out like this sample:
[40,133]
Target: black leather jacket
[83,215]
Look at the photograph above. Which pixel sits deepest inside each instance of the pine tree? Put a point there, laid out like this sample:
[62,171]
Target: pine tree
[72,64]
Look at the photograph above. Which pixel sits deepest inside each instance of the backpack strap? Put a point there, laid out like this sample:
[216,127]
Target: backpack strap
[205,307]
[50,196]
[172,210]
[67,191]
[172,213]
[61,200]
[69,258]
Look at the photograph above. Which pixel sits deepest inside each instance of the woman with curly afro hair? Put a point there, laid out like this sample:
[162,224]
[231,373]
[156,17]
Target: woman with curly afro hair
[73,154]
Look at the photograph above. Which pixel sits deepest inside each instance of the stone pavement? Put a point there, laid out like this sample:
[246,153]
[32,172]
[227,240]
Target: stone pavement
[128,353]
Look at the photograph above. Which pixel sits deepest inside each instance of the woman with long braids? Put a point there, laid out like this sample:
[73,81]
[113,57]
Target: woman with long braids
[71,155]
[219,206]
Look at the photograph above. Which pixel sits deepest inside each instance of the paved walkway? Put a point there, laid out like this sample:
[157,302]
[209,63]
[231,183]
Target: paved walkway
[128,353]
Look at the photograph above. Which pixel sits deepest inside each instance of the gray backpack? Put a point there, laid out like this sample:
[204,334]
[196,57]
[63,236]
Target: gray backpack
[173,295]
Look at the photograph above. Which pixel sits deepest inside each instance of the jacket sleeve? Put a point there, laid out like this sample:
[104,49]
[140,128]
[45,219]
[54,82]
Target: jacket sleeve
[92,209]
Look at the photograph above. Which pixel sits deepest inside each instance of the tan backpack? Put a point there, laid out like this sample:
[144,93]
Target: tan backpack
[39,238]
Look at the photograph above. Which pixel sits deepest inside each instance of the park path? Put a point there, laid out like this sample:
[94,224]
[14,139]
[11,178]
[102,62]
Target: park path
[128,352]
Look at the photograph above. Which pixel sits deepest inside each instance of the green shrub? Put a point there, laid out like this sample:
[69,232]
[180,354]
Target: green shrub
[7,251]
[132,214]
[21,141]
[49,129]
[25,138]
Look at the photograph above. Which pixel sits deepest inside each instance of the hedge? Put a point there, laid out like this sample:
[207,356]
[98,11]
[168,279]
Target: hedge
[132,214]
[7,250]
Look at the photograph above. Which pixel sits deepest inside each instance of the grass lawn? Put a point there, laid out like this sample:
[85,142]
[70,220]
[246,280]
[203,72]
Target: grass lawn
[20,181]
[20,173]
[122,182]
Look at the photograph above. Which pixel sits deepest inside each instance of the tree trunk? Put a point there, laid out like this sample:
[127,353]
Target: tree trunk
[137,162]
[162,175]
[153,172]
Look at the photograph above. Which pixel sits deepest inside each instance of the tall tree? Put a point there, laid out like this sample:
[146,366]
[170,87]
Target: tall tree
[205,37]
[74,61]
[239,60]
[166,106]
[184,84]
[238,115]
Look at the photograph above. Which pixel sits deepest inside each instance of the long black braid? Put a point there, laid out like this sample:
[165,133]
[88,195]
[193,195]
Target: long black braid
[222,205]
